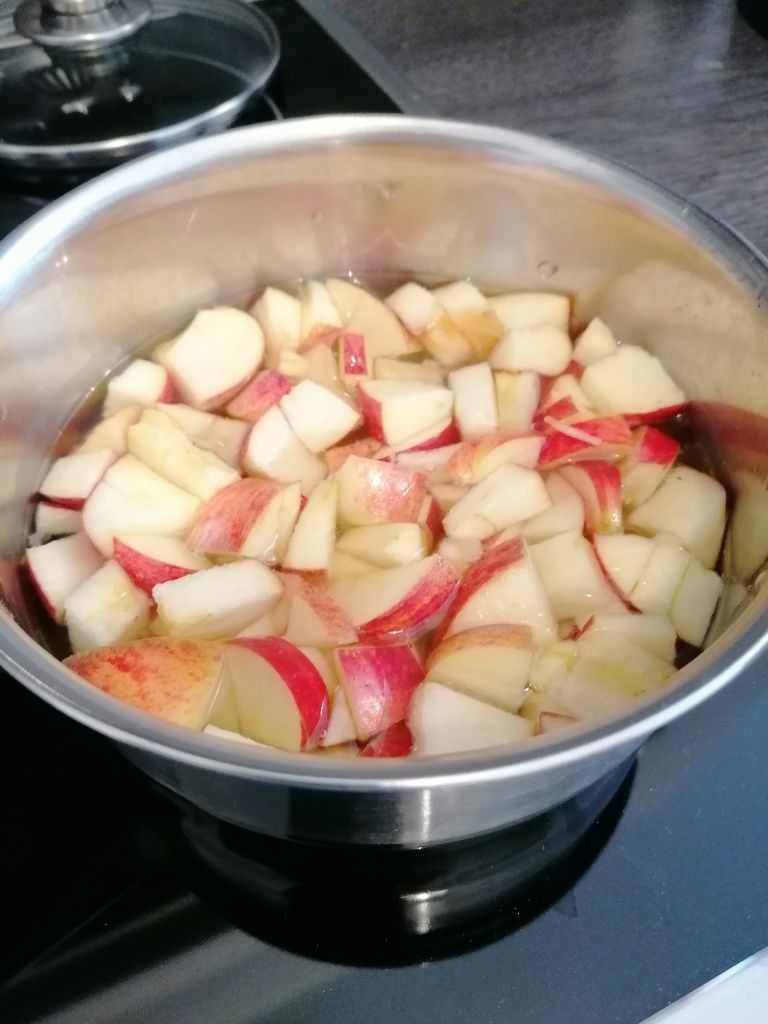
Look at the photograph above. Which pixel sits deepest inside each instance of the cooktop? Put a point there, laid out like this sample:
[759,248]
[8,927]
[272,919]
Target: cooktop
[121,905]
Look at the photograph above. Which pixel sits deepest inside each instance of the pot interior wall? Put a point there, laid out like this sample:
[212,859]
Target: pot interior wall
[91,290]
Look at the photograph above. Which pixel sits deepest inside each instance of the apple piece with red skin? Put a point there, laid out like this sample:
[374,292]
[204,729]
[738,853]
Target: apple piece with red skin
[53,520]
[132,498]
[176,680]
[141,383]
[623,556]
[431,518]
[602,438]
[508,495]
[378,683]
[599,485]
[433,461]
[218,602]
[365,447]
[315,618]
[245,518]
[273,450]
[474,460]
[491,663]
[564,388]
[566,512]
[646,466]
[71,478]
[341,728]
[320,318]
[279,315]
[595,342]
[364,314]
[264,391]
[398,604]
[149,560]
[319,417]
[218,434]
[59,567]
[415,306]
[106,609]
[311,543]
[571,575]
[372,491]
[501,588]
[631,382]
[551,721]
[280,695]
[215,356]
[548,417]
[111,432]
[474,400]
[355,364]
[444,721]
[517,398]
[387,544]
[691,506]
[396,741]
[439,435]
[396,410]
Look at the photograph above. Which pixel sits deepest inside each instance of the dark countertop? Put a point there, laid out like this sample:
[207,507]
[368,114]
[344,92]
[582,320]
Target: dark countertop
[677,89]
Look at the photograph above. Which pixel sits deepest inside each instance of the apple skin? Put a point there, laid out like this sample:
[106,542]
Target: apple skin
[378,683]
[599,486]
[332,626]
[300,677]
[371,491]
[264,391]
[612,433]
[145,571]
[225,521]
[176,680]
[365,448]
[396,741]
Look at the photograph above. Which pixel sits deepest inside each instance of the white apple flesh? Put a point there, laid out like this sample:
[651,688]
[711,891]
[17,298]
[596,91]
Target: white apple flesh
[444,721]
[59,567]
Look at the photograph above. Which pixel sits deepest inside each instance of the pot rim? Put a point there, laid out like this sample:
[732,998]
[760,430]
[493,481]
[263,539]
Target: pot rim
[37,669]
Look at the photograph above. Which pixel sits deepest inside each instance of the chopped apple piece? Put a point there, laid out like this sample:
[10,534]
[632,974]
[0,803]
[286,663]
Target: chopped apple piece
[57,520]
[571,575]
[444,721]
[131,498]
[395,741]
[231,736]
[537,706]
[501,588]
[472,461]
[264,391]
[320,318]
[106,609]
[279,315]
[140,383]
[566,512]
[111,432]
[438,435]
[460,298]
[395,410]
[217,434]
[416,307]
[492,663]
[661,576]
[386,544]
[315,619]
[595,342]
[517,398]
[341,728]
[176,680]
[149,560]
[690,505]
[605,438]
[217,602]
[447,495]
[631,382]
[397,604]
[564,388]
[252,518]
[446,342]
[319,417]
[71,478]
[694,602]
[343,564]
[378,683]
[281,697]
[365,447]
[59,568]
[532,309]
[216,356]
[599,485]
[475,400]
[311,545]
[508,495]
[623,557]
[272,623]
[545,350]
[371,491]
[274,450]
[644,469]
[364,314]
[654,633]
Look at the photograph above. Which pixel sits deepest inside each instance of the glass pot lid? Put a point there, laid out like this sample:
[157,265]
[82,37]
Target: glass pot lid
[88,83]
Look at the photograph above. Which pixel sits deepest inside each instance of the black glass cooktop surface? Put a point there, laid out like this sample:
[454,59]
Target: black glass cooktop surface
[119,906]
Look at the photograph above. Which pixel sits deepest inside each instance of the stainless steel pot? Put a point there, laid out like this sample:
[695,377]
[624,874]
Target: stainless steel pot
[107,268]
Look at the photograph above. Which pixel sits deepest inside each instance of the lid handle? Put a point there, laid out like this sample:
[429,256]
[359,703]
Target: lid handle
[80,25]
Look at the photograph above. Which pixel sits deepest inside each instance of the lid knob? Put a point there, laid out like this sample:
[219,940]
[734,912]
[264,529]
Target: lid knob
[80,25]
